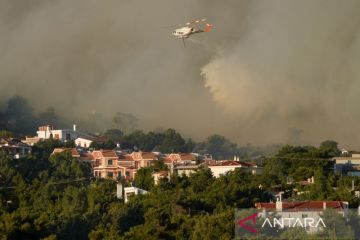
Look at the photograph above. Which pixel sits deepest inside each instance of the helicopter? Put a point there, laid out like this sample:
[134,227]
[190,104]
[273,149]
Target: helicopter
[190,28]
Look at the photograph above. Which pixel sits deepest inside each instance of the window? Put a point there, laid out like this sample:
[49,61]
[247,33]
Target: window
[68,136]
[127,173]
[110,162]
[110,174]
[304,215]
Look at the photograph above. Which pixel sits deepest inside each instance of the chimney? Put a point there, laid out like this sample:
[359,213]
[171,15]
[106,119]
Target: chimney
[118,145]
[324,205]
[234,158]
[74,127]
[312,179]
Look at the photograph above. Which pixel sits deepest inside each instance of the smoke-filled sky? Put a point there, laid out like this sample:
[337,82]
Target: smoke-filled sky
[271,71]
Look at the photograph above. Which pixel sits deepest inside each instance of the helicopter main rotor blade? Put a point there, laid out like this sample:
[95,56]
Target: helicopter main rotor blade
[195,21]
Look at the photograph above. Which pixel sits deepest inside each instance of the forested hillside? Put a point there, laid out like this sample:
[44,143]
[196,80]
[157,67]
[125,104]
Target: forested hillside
[56,197]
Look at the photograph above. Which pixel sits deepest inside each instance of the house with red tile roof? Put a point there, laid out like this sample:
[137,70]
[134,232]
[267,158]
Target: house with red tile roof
[126,160]
[109,163]
[220,168]
[179,158]
[106,164]
[112,164]
[143,159]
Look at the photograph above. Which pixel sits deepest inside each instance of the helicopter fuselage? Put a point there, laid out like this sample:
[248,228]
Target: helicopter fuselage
[183,32]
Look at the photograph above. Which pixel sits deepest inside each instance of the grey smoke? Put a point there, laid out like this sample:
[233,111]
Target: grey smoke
[268,67]
[295,65]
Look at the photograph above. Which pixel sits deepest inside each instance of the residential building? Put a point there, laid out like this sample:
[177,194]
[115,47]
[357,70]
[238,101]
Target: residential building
[85,141]
[126,192]
[14,147]
[348,163]
[115,164]
[106,164]
[128,173]
[48,131]
[222,167]
[131,191]
[30,140]
[126,160]
[180,158]
[183,169]
[143,159]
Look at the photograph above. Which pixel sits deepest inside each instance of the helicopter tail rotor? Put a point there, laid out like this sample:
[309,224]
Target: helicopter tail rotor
[208,27]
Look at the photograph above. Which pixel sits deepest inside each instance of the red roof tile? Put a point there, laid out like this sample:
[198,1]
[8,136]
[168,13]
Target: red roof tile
[105,153]
[182,156]
[187,156]
[300,206]
[229,163]
[168,160]
[143,155]
[148,155]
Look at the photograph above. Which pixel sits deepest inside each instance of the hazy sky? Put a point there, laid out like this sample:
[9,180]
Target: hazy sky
[271,71]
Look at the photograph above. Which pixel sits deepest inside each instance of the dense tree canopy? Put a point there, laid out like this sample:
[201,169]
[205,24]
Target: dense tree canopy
[55,197]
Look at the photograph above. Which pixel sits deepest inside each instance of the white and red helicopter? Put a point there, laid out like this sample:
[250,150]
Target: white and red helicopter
[189,29]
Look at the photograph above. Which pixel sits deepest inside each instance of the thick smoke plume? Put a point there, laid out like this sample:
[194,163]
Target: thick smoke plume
[273,70]
[88,57]
[295,66]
